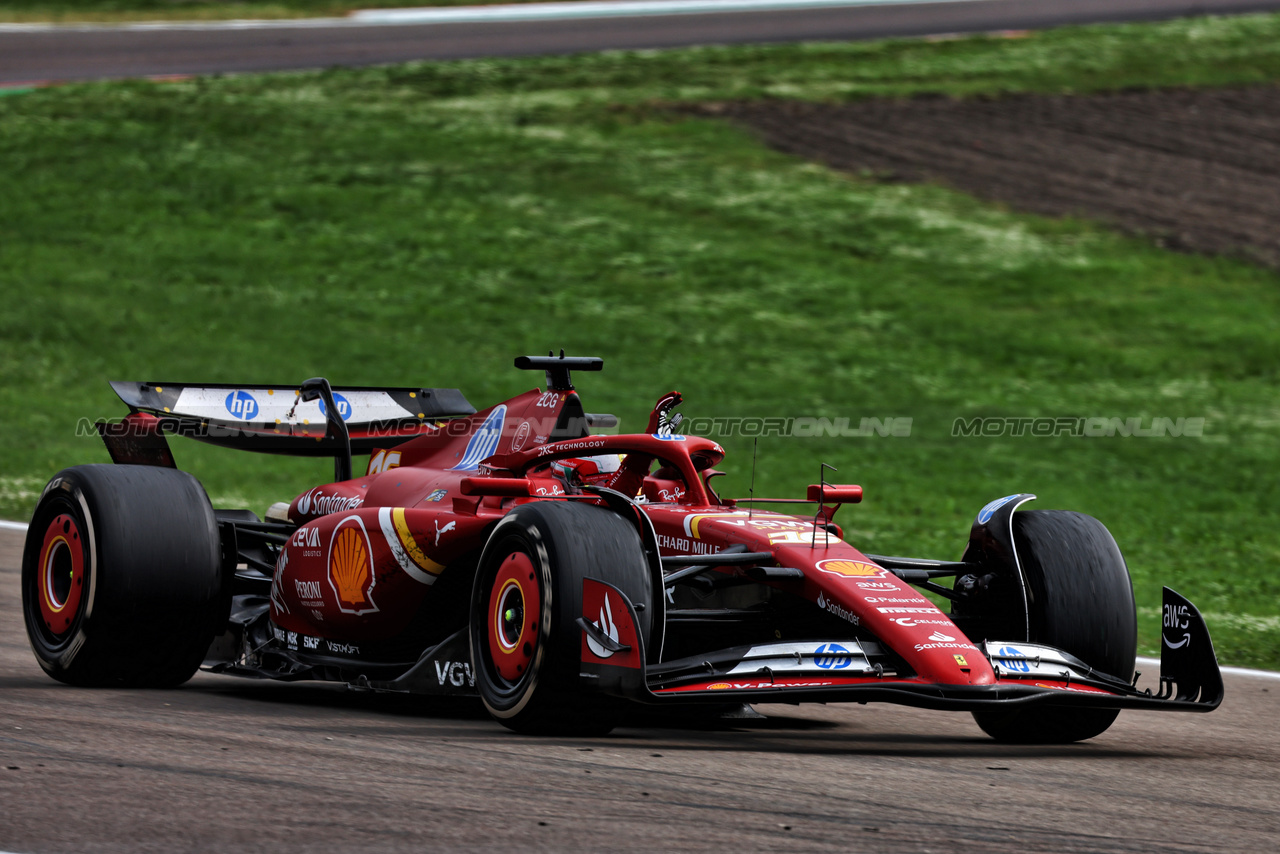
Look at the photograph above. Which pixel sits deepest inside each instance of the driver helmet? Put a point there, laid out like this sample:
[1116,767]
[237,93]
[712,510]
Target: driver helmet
[574,472]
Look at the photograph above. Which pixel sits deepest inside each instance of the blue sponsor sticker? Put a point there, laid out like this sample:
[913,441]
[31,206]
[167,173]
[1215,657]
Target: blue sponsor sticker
[437,495]
[832,656]
[1020,666]
[669,437]
[242,405]
[985,514]
[485,441]
[344,407]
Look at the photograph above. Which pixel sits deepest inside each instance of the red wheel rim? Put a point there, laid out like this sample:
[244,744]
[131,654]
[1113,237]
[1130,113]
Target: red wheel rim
[61,574]
[515,607]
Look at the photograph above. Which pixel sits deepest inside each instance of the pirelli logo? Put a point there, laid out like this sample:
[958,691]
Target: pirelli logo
[908,610]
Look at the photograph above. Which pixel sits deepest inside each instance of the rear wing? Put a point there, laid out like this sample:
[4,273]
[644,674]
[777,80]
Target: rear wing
[283,419]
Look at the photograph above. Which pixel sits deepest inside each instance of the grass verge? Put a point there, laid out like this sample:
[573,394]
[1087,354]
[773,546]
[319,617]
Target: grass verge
[425,223]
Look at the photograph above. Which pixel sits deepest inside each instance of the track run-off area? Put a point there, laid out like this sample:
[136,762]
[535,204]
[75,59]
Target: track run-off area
[35,54]
[229,764]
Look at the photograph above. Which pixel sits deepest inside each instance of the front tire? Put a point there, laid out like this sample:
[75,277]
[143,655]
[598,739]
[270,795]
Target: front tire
[121,576]
[525,641]
[1080,600]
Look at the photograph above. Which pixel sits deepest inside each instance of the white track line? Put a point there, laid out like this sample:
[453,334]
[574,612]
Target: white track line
[488,14]
[610,9]
[1142,659]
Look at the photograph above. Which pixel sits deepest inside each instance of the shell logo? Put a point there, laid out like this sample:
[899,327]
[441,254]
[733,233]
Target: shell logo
[351,567]
[850,568]
[718,686]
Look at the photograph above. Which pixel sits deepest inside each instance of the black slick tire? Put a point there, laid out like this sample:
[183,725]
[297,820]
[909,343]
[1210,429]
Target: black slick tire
[122,580]
[527,597]
[1080,600]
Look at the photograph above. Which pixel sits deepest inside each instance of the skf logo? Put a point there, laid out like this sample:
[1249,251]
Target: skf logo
[351,567]
[850,568]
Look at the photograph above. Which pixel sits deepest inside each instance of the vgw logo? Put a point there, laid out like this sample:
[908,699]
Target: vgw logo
[832,656]
[242,405]
[344,407]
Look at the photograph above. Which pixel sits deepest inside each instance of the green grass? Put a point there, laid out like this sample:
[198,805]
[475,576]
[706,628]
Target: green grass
[425,223]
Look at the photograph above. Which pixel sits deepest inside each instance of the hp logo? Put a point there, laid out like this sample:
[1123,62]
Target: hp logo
[242,405]
[832,656]
[344,407]
[1019,666]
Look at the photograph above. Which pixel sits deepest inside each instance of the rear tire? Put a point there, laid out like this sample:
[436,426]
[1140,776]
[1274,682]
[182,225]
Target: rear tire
[1080,600]
[121,576]
[525,641]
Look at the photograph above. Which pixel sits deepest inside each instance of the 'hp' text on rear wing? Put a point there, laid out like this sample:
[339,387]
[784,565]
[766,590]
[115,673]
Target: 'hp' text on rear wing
[276,419]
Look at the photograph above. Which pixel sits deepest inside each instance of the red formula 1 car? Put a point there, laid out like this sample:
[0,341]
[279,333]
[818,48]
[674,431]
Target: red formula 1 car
[562,575]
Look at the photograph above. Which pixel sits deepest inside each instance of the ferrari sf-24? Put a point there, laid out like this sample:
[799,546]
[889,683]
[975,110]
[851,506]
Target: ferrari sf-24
[565,575]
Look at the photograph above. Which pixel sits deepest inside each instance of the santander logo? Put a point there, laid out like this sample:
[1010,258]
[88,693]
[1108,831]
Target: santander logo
[316,503]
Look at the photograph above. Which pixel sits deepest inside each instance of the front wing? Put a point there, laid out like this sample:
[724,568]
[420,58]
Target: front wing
[863,671]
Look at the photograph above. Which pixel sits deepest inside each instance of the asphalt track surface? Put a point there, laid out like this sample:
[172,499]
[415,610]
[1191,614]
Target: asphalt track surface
[87,53]
[232,765]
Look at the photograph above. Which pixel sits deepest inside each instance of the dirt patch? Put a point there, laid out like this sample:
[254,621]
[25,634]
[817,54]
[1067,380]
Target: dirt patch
[1196,169]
